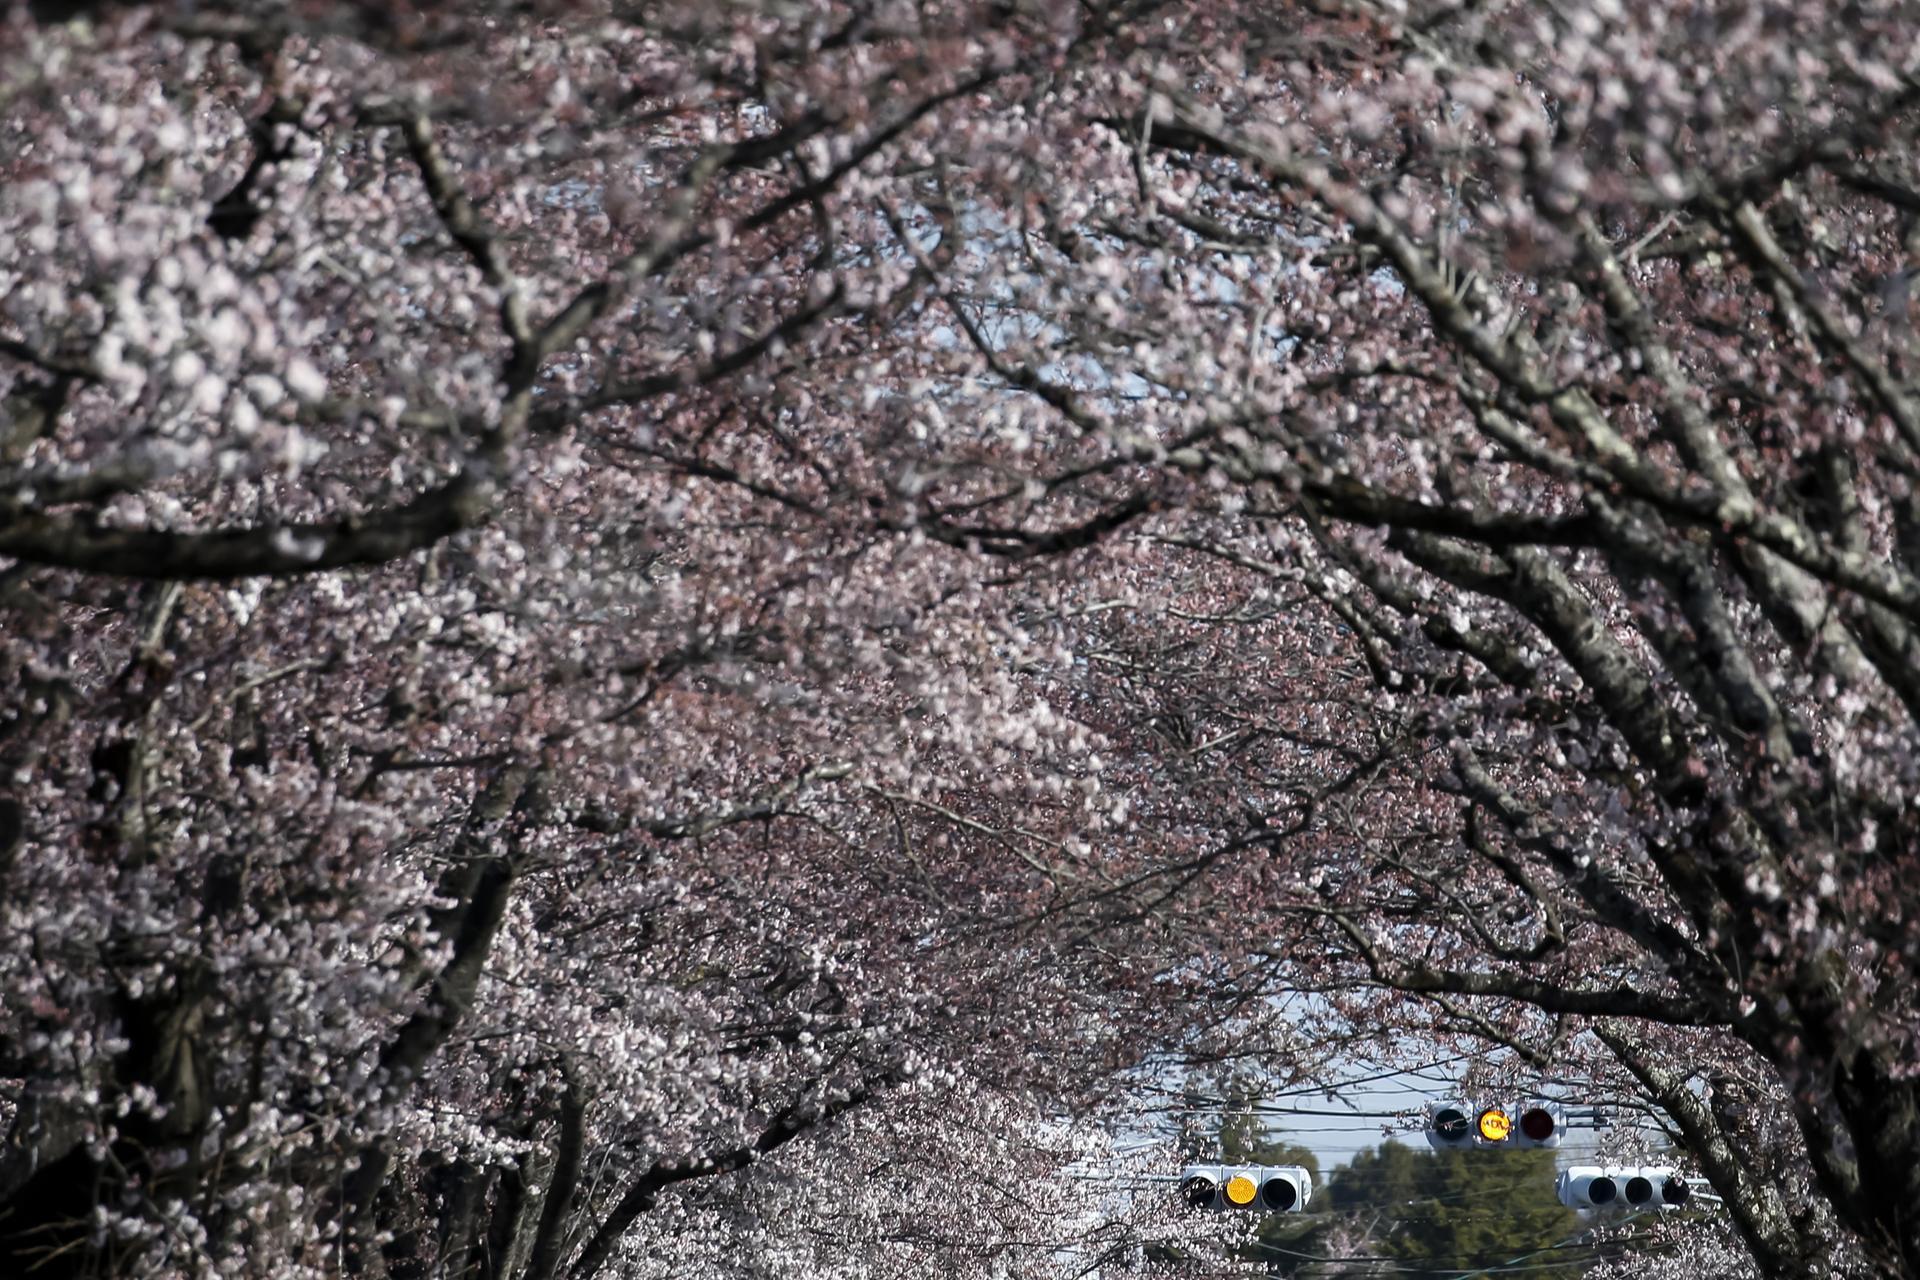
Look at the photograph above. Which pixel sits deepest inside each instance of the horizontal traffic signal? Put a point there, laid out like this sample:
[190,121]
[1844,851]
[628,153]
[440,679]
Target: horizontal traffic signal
[1454,1126]
[1252,1187]
[1628,1187]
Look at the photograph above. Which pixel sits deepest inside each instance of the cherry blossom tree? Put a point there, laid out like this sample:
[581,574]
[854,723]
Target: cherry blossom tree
[1557,361]
[618,822]
[621,617]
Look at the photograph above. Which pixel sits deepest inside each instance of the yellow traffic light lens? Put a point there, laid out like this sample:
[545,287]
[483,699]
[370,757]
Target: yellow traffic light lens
[1240,1189]
[1495,1125]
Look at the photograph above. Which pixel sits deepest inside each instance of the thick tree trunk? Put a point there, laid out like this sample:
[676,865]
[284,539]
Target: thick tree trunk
[1759,1212]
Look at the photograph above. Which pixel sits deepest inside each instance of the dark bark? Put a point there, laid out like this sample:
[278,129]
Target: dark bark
[462,1190]
[510,1199]
[482,880]
[1758,1210]
[78,542]
[557,1208]
[50,1183]
[644,1190]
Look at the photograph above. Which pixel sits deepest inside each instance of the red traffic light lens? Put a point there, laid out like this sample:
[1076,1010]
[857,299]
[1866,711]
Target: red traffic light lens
[1675,1191]
[1278,1194]
[1537,1124]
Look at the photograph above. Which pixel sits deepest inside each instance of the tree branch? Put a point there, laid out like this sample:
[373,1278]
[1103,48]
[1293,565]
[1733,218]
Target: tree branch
[545,1258]
[1759,1210]
[795,1121]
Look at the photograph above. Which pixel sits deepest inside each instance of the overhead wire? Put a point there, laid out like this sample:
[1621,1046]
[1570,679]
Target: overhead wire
[1578,1255]
[1508,1265]
[1263,1109]
[1302,1090]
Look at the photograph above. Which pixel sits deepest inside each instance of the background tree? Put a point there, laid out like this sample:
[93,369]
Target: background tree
[1452,1210]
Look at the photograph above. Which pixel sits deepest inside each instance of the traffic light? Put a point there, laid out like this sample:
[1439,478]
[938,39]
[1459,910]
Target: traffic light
[1655,1187]
[1541,1124]
[1455,1126]
[1255,1188]
[1629,1187]
[1449,1126]
[1585,1186]
[1286,1189]
[1492,1127]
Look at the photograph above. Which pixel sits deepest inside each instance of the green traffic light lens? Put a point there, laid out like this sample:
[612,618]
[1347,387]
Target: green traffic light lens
[1198,1192]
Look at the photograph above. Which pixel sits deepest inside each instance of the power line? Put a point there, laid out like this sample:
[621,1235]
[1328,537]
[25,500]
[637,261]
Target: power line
[1264,1109]
[1302,1090]
[1508,1265]
[1391,1266]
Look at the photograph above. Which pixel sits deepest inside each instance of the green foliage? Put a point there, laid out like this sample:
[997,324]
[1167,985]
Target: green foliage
[1452,1211]
[1225,1125]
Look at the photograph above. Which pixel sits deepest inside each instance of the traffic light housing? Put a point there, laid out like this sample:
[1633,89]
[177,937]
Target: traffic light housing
[1622,1187]
[1450,1126]
[1655,1187]
[1254,1188]
[1455,1126]
[1587,1187]
[1540,1124]
[1286,1189]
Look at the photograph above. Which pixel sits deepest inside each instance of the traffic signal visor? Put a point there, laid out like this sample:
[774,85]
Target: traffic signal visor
[1286,1189]
[1449,1126]
[1654,1187]
[1586,1186]
[1541,1124]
